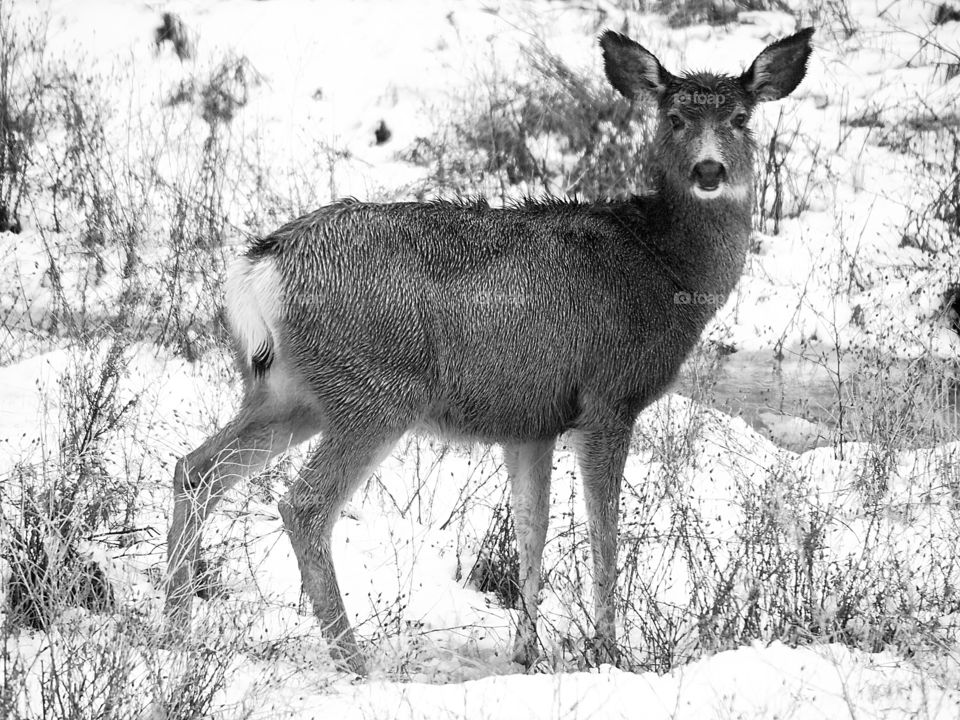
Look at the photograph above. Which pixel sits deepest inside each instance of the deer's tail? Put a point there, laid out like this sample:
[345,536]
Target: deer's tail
[253,295]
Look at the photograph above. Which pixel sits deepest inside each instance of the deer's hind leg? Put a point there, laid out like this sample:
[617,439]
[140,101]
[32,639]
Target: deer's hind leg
[261,430]
[341,461]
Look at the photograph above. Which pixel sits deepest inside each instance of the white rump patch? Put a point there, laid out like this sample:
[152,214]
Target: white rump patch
[253,303]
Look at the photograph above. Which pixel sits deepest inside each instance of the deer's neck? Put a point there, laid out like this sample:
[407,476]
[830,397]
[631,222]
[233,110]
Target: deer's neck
[705,241]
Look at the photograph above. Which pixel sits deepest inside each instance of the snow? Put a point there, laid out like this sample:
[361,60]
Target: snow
[838,277]
[439,647]
[754,682]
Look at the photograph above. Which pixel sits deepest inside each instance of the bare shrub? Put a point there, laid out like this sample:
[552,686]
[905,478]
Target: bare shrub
[835,17]
[200,205]
[945,13]
[710,12]
[172,29]
[695,12]
[56,508]
[85,175]
[22,90]
[187,296]
[101,206]
[80,675]
[523,132]
[780,191]
[47,571]
[227,89]
[118,669]
[934,226]
[497,568]
[186,681]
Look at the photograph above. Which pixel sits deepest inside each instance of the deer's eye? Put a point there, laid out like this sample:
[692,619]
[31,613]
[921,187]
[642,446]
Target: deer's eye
[676,122]
[739,120]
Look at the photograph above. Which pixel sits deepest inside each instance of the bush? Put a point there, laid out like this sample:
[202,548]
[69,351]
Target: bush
[47,571]
[560,131]
[497,568]
[58,507]
[172,29]
[22,88]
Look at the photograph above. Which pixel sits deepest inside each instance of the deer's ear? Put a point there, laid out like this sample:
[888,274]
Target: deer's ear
[631,68]
[778,70]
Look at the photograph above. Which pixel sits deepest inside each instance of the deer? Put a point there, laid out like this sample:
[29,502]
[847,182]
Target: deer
[361,322]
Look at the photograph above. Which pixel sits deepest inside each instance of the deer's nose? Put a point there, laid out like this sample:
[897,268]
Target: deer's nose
[708,174]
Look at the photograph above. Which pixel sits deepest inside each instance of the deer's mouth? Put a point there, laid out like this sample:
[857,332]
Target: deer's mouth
[726,190]
[705,194]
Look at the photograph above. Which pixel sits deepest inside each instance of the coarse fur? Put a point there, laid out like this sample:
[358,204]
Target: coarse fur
[512,325]
[469,319]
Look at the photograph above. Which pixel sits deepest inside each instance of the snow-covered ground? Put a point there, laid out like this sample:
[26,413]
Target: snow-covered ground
[727,537]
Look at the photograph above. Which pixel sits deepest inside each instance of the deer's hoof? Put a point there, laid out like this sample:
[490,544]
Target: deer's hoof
[349,662]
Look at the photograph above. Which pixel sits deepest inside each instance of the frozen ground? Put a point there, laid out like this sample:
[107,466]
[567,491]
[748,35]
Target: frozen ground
[861,537]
